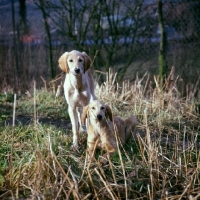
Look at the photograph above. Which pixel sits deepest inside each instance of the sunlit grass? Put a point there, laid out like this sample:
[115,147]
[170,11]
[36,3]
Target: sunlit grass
[46,102]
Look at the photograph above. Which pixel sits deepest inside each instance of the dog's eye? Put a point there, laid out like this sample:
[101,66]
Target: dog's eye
[80,60]
[93,108]
[102,108]
[70,60]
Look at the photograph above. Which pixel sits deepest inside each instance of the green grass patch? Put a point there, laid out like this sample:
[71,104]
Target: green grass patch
[46,104]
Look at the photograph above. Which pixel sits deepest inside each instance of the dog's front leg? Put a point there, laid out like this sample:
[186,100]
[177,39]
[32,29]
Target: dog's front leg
[92,143]
[106,157]
[74,121]
[81,127]
[91,150]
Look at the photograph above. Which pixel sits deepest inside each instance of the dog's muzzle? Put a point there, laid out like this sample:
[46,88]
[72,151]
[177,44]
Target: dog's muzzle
[99,117]
[77,70]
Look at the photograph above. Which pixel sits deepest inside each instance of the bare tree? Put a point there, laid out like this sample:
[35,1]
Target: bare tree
[23,16]
[15,42]
[162,54]
[109,27]
[42,6]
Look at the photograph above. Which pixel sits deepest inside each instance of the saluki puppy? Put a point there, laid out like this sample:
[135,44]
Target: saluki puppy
[105,130]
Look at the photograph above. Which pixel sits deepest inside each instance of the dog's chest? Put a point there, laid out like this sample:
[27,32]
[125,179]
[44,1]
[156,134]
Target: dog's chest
[79,98]
[77,92]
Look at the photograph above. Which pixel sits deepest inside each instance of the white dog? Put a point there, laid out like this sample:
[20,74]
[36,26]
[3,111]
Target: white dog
[78,86]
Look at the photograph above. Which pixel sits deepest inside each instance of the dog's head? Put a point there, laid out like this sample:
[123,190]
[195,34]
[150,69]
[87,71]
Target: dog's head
[97,111]
[75,62]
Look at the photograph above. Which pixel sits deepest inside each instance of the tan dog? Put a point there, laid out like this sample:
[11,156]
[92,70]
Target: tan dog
[102,126]
[78,86]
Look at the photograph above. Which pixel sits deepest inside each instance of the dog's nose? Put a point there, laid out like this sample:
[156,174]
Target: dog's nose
[99,117]
[77,70]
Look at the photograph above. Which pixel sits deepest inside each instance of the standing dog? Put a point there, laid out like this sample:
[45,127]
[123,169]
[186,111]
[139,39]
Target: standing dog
[78,86]
[102,126]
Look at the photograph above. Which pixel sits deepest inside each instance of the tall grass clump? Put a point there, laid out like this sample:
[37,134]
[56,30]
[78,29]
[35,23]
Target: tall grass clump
[161,161]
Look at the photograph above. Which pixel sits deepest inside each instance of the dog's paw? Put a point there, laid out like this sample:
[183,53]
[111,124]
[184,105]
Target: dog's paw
[103,161]
[74,147]
[82,129]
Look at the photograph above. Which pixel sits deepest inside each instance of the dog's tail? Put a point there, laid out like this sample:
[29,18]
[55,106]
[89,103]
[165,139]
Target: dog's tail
[130,126]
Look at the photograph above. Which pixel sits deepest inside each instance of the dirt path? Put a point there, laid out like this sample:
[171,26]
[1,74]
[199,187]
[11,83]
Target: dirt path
[26,120]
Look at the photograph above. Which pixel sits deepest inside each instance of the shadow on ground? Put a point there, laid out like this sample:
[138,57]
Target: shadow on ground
[27,120]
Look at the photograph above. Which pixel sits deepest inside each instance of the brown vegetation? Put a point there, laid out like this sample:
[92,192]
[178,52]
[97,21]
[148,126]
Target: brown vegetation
[161,161]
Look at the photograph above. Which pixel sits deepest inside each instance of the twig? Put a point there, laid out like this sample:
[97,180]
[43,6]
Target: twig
[121,160]
[105,184]
[51,151]
[34,104]
[101,72]
[59,76]
[95,192]
[188,186]
[75,183]
[94,57]
[45,83]
[150,155]
[13,128]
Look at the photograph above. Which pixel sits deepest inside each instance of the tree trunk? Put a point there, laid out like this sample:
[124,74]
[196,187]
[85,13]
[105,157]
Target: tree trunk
[47,29]
[23,18]
[15,46]
[162,53]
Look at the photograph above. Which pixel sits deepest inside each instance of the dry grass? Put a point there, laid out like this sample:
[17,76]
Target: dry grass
[160,162]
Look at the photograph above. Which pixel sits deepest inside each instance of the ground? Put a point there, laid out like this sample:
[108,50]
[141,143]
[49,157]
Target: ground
[25,120]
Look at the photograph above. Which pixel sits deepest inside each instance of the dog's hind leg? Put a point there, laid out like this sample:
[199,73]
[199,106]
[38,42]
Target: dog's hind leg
[130,126]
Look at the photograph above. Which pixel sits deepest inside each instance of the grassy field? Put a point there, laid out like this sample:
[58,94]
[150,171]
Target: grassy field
[161,161]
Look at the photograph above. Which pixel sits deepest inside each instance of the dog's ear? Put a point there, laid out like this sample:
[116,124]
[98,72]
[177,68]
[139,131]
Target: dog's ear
[109,113]
[87,61]
[63,62]
[84,114]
